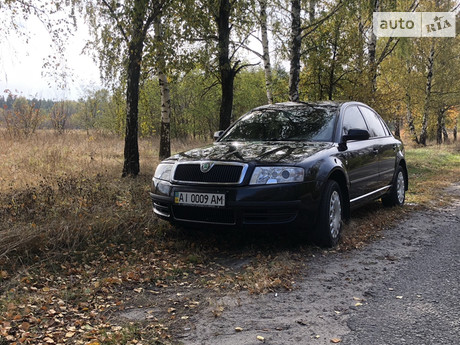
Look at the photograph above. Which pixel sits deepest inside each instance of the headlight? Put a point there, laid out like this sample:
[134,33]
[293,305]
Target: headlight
[272,175]
[163,171]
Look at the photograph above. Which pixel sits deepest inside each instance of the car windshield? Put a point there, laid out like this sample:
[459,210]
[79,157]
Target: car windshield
[309,123]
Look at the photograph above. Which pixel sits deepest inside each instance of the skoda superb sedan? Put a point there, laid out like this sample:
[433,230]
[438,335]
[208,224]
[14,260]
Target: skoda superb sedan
[301,164]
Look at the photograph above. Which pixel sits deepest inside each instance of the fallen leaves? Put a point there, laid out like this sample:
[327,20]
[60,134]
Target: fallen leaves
[359,301]
[70,295]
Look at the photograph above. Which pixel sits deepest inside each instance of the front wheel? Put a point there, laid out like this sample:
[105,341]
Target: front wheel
[397,194]
[330,217]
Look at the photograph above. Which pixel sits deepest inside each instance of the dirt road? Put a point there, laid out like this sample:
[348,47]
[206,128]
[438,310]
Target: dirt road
[401,289]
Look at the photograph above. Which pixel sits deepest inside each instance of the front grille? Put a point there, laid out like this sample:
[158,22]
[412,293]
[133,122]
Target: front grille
[219,173]
[204,214]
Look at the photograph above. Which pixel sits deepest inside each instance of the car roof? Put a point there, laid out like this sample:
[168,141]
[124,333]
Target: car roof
[285,105]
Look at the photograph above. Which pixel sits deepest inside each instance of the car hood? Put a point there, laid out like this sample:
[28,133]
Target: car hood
[258,152]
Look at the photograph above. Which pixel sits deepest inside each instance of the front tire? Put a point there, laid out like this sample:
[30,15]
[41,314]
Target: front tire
[330,217]
[397,194]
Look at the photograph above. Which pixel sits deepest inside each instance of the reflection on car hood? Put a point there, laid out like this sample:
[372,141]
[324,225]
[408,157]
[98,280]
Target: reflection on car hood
[259,152]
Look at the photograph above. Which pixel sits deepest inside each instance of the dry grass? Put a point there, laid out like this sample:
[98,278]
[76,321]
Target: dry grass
[67,214]
[62,190]
[27,161]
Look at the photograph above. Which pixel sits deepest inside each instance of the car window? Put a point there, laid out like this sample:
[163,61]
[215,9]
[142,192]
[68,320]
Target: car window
[307,123]
[373,122]
[353,119]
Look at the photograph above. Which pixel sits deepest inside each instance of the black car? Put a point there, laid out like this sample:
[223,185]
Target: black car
[299,164]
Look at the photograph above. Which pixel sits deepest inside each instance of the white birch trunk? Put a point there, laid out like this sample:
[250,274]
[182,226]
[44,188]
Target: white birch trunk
[266,52]
[294,51]
[165,141]
[426,108]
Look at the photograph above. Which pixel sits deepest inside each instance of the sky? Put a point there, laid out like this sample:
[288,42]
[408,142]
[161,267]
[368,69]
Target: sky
[21,64]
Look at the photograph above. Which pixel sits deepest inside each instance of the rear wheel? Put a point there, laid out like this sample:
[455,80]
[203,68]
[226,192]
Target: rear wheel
[330,217]
[397,194]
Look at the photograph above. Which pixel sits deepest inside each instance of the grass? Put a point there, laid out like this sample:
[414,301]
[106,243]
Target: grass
[431,170]
[79,241]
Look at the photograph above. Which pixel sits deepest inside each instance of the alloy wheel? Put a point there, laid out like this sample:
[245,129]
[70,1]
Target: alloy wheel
[335,214]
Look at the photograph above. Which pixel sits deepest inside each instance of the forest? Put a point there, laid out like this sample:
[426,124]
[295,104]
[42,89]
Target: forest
[184,69]
[80,246]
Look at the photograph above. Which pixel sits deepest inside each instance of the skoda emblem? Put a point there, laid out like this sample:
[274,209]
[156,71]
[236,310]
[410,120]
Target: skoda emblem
[206,166]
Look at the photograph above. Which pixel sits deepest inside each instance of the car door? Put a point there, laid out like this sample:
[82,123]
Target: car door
[384,143]
[361,159]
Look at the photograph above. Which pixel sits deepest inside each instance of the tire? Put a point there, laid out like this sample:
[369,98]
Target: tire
[330,217]
[397,194]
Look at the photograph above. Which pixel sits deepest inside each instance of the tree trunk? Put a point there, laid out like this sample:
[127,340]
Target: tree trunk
[227,74]
[426,108]
[333,63]
[410,119]
[294,54]
[131,151]
[398,128]
[439,127]
[444,130]
[165,136]
[372,47]
[445,135]
[266,52]
[455,132]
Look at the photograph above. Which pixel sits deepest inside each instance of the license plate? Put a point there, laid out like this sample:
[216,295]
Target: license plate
[199,199]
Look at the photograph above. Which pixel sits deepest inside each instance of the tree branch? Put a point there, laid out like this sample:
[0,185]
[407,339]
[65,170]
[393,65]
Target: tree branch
[114,16]
[244,66]
[252,50]
[312,27]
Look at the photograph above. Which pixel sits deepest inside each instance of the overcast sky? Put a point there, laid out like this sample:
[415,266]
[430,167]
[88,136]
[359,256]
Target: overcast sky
[21,64]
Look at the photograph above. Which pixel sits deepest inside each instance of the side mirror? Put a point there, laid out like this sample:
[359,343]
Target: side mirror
[353,134]
[217,135]
[356,134]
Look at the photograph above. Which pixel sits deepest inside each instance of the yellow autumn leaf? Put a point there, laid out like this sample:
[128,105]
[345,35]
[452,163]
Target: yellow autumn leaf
[336,340]
[69,334]
[259,337]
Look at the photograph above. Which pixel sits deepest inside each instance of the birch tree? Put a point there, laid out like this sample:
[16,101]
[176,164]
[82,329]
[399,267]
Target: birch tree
[223,28]
[298,34]
[119,33]
[266,50]
[165,136]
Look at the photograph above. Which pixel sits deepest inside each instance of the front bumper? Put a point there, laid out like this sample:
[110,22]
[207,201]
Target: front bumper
[244,205]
